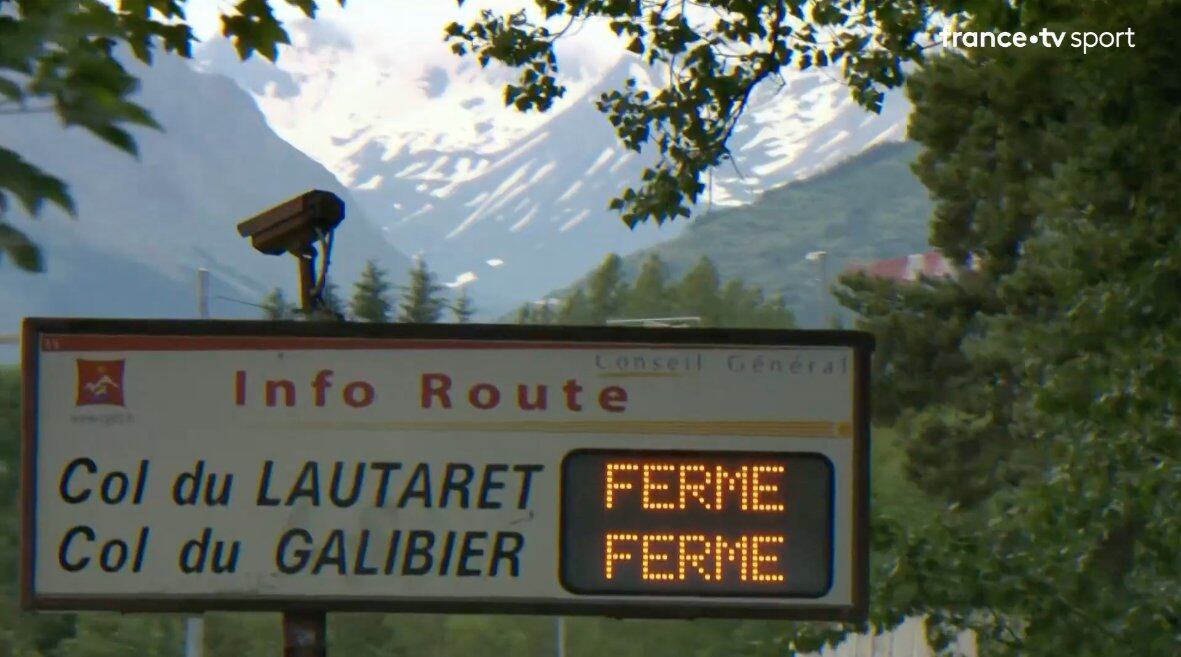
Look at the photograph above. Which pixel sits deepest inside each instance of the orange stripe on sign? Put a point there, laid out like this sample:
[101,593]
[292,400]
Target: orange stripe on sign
[263,343]
[779,429]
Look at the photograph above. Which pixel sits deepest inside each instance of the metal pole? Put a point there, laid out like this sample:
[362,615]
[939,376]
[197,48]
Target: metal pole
[305,633]
[195,625]
[821,289]
[194,636]
[307,279]
[203,293]
[561,639]
[819,257]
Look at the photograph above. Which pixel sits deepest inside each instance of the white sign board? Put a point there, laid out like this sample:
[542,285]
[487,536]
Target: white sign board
[627,472]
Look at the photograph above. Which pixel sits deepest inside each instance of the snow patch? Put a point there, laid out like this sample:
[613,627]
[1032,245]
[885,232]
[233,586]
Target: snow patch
[372,183]
[524,221]
[542,172]
[404,173]
[600,161]
[624,159]
[575,221]
[569,193]
[463,279]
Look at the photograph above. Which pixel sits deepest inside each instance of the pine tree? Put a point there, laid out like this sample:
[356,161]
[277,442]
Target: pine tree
[370,302]
[525,314]
[739,304]
[545,312]
[575,310]
[276,307]
[776,314]
[463,308]
[606,290]
[650,296]
[1036,395]
[697,293]
[330,297]
[422,302]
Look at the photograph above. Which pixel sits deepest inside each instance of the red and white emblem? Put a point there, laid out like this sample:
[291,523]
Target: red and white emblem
[100,382]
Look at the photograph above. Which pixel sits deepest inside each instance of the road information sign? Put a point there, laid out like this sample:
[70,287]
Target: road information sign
[614,471]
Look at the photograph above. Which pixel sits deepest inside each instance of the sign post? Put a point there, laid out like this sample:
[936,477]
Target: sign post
[306,467]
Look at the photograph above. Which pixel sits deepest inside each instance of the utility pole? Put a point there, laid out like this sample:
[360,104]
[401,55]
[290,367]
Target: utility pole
[560,647]
[195,625]
[305,633]
[293,227]
[194,636]
[820,258]
[203,293]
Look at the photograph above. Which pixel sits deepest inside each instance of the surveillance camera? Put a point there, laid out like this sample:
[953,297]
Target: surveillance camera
[292,226]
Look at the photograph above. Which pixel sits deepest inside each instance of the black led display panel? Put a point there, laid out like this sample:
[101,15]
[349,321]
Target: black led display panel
[697,523]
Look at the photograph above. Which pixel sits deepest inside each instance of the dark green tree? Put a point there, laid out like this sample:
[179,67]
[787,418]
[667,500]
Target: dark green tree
[1036,391]
[697,294]
[422,300]
[330,297]
[575,310]
[740,303]
[649,295]
[276,307]
[775,314]
[605,290]
[21,633]
[525,314]
[463,308]
[545,313]
[370,302]
[654,296]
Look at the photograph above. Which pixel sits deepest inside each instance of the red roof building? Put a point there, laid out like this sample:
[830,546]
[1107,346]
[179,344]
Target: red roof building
[908,268]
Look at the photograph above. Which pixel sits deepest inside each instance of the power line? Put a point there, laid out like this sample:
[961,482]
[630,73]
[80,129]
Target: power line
[244,303]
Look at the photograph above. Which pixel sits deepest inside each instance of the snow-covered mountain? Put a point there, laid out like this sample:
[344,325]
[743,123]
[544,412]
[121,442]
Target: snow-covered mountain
[514,205]
[145,225]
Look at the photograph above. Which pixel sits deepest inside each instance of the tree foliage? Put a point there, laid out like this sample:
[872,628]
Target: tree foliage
[422,300]
[1038,390]
[605,290]
[709,57]
[607,295]
[463,309]
[333,305]
[275,306]
[371,302]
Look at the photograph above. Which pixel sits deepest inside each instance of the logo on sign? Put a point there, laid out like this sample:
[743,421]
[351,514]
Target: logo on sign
[100,382]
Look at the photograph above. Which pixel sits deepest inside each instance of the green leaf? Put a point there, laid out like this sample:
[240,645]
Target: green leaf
[32,185]
[11,90]
[20,249]
[117,137]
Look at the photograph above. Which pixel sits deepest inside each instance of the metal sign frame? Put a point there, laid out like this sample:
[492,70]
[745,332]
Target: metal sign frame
[35,330]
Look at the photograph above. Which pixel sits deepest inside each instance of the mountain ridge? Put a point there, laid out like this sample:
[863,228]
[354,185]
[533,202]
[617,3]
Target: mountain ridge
[868,207]
[533,200]
[146,224]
